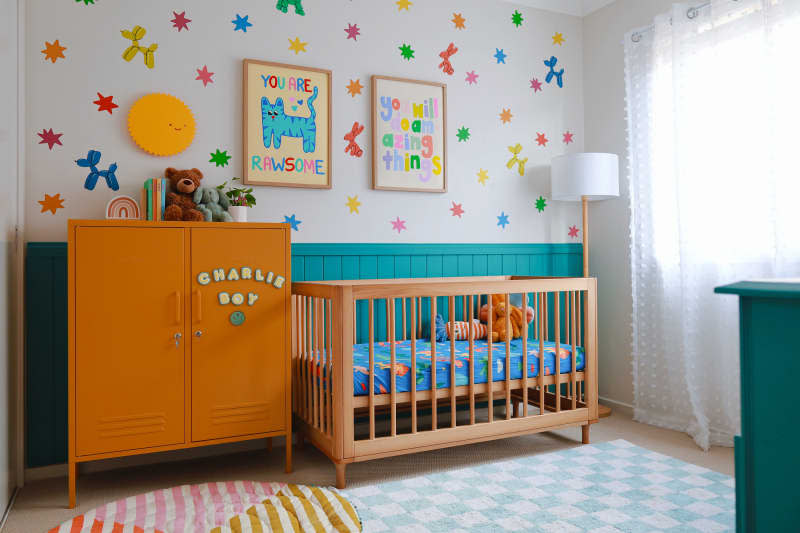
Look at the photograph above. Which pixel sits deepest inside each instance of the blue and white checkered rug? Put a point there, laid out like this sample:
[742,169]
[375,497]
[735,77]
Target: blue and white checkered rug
[610,487]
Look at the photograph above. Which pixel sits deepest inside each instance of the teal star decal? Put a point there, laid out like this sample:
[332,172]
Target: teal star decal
[292,221]
[502,220]
[220,158]
[541,204]
[241,23]
[406,51]
[517,19]
[463,134]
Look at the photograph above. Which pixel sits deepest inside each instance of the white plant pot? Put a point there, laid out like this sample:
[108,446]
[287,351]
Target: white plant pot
[238,212]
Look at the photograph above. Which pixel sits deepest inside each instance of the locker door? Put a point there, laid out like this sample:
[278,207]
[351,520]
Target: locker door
[129,338]
[238,346]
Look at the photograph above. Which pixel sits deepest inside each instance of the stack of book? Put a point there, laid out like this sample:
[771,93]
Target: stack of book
[154,197]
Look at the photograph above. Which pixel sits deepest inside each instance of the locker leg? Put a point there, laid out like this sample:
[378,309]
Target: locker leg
[73,474]
[289,452]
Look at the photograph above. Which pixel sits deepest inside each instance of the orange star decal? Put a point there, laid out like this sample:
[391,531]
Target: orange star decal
[354,88]
[506,115]
[52,203]
[459,21]
[53,51]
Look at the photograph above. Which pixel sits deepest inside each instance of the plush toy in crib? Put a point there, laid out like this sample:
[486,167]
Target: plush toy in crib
[461,329]
[499,316]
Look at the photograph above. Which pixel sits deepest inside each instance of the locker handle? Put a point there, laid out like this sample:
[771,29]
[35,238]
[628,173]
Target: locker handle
[199,299]
[178,307]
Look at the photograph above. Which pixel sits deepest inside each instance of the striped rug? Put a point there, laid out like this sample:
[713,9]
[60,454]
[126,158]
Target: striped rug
[222,507]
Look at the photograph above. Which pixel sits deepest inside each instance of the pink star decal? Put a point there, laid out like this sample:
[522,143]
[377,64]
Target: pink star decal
[536,85]
[352,31]
[398,225]
[472,77]
[180,21]
[457,210]
[567,137]
[204,75]
[573,231]
[49,138]
[541,140]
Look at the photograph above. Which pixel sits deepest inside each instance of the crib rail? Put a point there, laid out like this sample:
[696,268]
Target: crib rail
[386,422]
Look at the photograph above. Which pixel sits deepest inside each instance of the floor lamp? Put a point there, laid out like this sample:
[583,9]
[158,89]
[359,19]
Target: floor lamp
[585,177]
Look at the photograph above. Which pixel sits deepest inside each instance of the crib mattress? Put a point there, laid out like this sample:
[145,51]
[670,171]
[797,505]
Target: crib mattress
[422,376]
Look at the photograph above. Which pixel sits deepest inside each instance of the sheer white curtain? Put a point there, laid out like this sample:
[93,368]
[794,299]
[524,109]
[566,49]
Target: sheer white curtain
[713,103]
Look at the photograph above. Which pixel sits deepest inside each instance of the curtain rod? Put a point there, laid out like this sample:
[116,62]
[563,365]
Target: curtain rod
[691,13]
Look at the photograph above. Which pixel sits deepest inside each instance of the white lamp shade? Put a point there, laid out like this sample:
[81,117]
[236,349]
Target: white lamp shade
[593,175]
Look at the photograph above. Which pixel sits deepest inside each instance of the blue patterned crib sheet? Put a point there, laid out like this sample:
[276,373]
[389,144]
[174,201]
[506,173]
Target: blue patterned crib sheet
[403,375]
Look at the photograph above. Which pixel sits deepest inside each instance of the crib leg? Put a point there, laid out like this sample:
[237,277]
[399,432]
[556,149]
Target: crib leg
[340,475]
[585,434]
[515,410]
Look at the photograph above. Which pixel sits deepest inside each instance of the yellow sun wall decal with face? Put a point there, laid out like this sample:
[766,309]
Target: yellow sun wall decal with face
[161,124]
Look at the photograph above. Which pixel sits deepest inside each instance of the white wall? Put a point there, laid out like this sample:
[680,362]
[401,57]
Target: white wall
[61,95]
[605,131]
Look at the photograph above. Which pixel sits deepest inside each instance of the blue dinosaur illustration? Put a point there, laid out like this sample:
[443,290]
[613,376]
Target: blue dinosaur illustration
[276,124]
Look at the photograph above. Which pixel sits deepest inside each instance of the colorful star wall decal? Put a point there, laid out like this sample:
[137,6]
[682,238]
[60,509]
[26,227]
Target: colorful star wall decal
[457,210]
[540,204]
[505,115]
[353,204]
[105,103]
[502,220]
[354,87]
[53,51]
[180,21]
[573,231]
[500,56]
[516,18]
[52,203]
[398,225]
[459,21]
[240,23]
[406,51]
[558,38]
[483,175]
[85,2]
[220,158]
[568,137]
[353,31]
[49,138]
[463,134]
[297,45]
[292,221]
[536,85]
[541,139]
[204,75]
[472,77]
[403,4]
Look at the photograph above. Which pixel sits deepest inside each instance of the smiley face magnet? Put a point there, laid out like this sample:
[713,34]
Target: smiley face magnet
[237,318]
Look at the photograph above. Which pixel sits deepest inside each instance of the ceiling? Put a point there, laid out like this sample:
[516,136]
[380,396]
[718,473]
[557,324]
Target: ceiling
[578,8]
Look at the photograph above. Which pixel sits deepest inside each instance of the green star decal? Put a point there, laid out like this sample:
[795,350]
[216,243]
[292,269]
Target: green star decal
[406,51]
[463,134]
[541,204]
[220,158]
[517,19]
[85,2]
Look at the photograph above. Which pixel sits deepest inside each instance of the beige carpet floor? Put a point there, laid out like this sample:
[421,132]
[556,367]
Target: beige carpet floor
[41,505]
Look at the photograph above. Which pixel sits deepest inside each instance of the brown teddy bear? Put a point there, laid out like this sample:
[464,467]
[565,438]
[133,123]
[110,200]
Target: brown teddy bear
[499,312]
[179,202]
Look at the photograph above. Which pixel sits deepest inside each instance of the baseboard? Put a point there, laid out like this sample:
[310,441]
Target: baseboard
[11,501]
[619,407]
[60,470]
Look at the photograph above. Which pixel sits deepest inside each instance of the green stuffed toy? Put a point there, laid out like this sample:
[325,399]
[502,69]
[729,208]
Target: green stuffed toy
[212,204]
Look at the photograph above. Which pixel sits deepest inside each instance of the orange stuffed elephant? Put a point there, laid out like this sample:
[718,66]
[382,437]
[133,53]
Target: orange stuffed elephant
[499,312]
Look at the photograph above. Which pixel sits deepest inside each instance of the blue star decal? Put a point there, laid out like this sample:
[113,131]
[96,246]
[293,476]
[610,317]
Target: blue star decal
[241,23]
[502,220]
[293,221]
[500,56]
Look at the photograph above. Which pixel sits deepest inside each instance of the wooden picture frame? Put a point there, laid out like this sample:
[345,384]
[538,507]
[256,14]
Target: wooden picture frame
[271,155]
[409,99]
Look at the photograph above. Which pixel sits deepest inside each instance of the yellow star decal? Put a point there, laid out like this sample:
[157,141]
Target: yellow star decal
[558,38]
[52,203]
[353,203]
[297,45]
[483,175]
[403,4]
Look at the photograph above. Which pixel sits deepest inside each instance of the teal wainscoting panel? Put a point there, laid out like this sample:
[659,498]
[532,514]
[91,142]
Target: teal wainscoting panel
[46,306]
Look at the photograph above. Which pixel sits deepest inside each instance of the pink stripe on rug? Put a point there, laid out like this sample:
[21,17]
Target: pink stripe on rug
[119,516]
[197,507]
[218,503]
[141,510]
[180,510]
[236,499]
[161,509]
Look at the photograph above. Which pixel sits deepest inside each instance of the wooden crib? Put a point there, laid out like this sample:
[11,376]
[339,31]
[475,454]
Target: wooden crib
[348,427]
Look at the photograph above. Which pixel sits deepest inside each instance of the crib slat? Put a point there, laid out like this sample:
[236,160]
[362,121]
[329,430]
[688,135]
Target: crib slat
[508,355]
[452,361]
[315,366]
[419,315]
[371,369]
[490,361]
[471,369]
[413,371]
[403,302]
[574,353]
[524,354]
[393,367]
[329,372]
[296,354]
[433,364]
[309,349]
[557,333]
[542,310]
[387,318]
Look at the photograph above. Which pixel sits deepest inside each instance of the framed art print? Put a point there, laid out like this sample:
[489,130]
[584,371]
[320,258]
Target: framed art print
[286,125]
[409,144]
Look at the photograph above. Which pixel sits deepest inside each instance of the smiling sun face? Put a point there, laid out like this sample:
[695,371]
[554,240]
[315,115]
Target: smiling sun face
[161,124]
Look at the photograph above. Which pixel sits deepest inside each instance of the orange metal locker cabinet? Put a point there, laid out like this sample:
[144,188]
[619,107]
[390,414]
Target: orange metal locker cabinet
[129,333]
[238,324]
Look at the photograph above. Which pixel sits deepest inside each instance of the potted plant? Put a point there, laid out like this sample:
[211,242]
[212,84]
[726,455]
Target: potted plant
[240,200]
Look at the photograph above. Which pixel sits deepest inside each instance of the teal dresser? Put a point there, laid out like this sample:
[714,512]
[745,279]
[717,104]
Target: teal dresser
[768,451]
